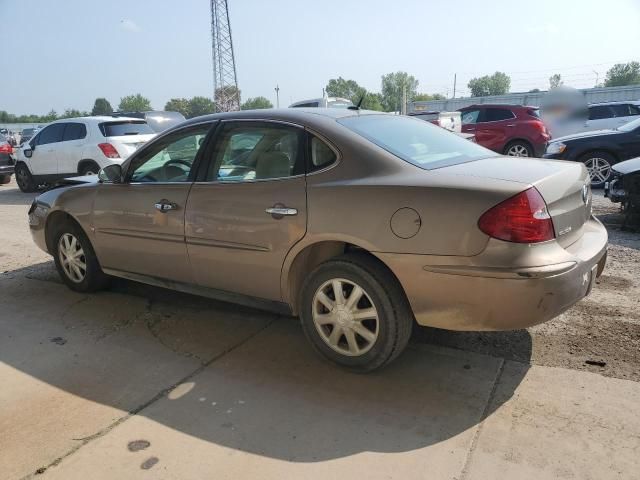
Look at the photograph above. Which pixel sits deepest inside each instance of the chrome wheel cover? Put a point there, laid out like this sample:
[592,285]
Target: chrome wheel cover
[72,258]
[345,317]
[517,151]
[599,169]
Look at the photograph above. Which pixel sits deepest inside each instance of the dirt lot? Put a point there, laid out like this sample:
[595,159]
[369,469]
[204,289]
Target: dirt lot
[602,328]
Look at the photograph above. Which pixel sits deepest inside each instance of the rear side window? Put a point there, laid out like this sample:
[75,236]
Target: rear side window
[127,127]
[534,112]
[496,114]
[74,131]
[51,134]
[470,116]
[625,110]
[321,155]
[599,112]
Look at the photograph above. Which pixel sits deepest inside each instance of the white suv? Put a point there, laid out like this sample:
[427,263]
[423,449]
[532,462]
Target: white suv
[603,116]
[78,146]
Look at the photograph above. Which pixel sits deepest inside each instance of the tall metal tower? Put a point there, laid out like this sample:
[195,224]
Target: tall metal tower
[225,84]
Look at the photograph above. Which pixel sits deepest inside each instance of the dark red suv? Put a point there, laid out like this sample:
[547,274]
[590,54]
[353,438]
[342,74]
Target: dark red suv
[512,130]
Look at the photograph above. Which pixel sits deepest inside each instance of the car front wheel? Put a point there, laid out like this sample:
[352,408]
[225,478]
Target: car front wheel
[599,166]
[355,313]
[24,179]
[75,259]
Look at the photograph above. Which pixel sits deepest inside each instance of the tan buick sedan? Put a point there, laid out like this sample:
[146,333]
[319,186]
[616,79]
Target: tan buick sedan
[360,223]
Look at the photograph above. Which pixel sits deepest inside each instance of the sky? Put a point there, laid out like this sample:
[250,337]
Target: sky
[64,53]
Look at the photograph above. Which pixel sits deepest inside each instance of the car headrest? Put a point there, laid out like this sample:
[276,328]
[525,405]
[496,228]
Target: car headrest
[272,165]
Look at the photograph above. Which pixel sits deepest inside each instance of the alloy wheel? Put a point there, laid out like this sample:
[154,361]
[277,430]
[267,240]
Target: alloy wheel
[599,169]
[22,177]
[345,317]
[518,150]
[72,258]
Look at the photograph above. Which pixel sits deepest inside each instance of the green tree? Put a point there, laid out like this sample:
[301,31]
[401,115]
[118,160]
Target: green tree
[496,84]
[393,85]
[426,97]
[226,99]
[73,113]
[534,90]
[555,80]
[622,74]
[134,103]
[101,107]
[340,87]
[200,106]
[256,103]
[180,105]
[371,101]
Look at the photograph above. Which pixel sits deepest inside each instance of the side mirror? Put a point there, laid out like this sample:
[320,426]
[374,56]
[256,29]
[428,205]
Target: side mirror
[27,152]
[111,174]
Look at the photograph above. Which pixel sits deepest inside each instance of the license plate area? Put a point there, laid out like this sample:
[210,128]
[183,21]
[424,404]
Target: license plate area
[591,279]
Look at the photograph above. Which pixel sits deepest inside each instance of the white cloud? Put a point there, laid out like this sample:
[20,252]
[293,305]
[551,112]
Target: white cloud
[129,25]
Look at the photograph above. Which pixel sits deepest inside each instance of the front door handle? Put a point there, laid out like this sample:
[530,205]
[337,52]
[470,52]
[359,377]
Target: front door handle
[279,212]
[165,205]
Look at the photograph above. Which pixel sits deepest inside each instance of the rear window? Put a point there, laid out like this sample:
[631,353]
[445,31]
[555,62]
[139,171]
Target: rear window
[415,141]
[599,112]
[127,127]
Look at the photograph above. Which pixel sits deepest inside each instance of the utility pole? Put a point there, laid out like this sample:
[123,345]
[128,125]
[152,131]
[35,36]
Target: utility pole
[226,95]
[403,109]
[455,78]
[277,89]
[597,77]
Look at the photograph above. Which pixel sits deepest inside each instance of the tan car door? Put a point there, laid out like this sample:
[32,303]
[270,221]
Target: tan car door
[139,224]
[250,208]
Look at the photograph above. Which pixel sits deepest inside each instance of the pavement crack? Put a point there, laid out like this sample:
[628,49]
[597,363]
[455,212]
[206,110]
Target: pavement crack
[164,392]
[485,413]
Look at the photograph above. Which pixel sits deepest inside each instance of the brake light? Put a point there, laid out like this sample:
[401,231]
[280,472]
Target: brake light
[523,218]
[109,150]
[6,148]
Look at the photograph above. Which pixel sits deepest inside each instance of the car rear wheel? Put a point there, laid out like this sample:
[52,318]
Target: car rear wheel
[355,313]
[24,179]
[76,260]
[518,149]
[89,169]
[599,166]
[4,179]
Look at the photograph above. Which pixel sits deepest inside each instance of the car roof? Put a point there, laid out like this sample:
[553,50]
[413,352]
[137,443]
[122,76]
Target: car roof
[96,119]
[499,105]
[284,114]
[622,102]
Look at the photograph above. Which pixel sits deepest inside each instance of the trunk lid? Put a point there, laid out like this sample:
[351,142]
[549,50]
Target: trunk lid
[565,187]
[127,144]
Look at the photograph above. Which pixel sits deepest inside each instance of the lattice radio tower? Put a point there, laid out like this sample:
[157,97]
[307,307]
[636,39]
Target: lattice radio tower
[226,95]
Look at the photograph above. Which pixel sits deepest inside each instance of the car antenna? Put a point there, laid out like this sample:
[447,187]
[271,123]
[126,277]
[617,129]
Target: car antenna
[357,107]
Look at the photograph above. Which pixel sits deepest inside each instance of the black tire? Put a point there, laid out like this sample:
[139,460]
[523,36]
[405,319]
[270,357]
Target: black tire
[89,168]
[395,318]
[24,179]
[512,149]
[593,161]
[94,278]
[4,179]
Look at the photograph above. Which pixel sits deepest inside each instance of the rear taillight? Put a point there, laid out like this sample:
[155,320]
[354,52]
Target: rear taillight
[6,148]
[523,218]
[108,150]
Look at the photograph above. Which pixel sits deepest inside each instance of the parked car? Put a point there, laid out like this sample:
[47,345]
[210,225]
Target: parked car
[27,134]
[78,146]
[451,121]
[624,188]
[359,222]
[324,102]
[6,160]
[598,150]
[512,130]
[598,116]
[157,120]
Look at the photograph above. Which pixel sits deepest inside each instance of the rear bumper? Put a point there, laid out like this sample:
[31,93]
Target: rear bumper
[463,293]
[6,169]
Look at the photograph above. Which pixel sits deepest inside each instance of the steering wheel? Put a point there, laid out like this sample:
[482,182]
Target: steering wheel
[178,160]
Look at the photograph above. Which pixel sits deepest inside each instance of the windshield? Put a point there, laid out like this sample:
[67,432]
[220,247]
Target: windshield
[126,127]
[416,141]
[629,127]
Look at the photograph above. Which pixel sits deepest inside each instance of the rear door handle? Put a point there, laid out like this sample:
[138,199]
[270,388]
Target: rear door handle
[165,205]
[281,211]
[511,125]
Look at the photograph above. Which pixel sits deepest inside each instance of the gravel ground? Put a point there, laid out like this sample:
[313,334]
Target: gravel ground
[603,328]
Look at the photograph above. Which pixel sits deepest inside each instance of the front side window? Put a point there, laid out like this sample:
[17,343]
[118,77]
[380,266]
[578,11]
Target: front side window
[470,116]
[256,151]
[74,131]
[52,134]
[170,159]
[600,112]
[497,114]
[415,141]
